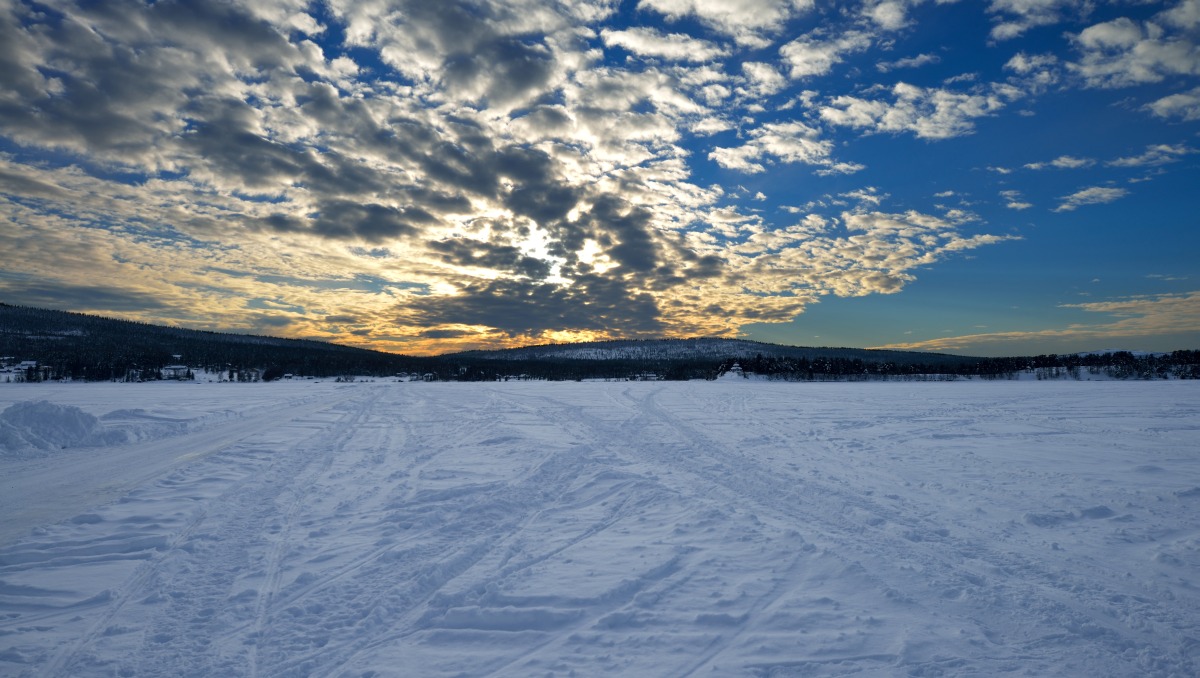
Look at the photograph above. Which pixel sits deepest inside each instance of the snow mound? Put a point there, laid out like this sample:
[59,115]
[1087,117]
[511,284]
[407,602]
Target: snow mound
[41,425]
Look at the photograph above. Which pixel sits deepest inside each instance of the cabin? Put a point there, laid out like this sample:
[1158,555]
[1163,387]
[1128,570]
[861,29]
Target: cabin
[179,372]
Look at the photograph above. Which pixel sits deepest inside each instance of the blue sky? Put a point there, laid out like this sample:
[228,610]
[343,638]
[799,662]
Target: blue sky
[987,178]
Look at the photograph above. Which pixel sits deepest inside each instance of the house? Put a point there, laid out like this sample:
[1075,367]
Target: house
[175,372]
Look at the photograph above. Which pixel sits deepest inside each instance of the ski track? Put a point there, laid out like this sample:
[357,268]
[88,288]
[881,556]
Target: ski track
[516,529]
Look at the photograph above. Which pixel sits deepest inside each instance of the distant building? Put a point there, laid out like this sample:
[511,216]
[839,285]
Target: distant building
[734,372]
[175,372]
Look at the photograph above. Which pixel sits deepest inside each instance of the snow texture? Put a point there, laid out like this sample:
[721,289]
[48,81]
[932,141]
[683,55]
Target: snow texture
[731,528]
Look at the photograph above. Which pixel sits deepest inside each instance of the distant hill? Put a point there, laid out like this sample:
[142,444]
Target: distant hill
[703,347]
[81,346]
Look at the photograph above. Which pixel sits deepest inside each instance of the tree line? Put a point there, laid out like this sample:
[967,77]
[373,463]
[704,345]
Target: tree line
[83,347]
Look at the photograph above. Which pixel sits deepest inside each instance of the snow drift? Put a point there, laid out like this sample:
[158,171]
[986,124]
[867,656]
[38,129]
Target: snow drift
[32,427]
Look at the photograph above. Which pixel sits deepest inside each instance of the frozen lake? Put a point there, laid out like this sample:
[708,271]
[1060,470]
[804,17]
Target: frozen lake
[558,529]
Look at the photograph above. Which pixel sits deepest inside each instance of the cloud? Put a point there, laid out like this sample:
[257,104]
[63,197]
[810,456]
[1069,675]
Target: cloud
[1014,201]
[908,62]
[1015,17]
[1184,105]
[1185,15]
[1095,195]
[1123,52]
[747,21]
[762,79]
[675,46]
[929,113]
[1158,154]
[813,55]
[1062,162]
[1037,71]
[889,15]
[792,142]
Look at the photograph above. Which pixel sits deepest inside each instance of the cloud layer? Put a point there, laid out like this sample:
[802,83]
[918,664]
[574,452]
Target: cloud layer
[417,176]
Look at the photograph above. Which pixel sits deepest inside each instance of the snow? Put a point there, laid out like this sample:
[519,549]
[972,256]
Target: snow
[731,528]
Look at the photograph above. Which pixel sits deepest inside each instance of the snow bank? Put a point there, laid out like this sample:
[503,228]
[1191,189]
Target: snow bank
[30,427]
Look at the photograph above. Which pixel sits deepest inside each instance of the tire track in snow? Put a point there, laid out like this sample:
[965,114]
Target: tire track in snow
[1013,587]
[342,432]
[460,587]
[149,580]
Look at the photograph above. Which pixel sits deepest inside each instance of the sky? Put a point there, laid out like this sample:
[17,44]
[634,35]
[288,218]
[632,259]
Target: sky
[1009,177]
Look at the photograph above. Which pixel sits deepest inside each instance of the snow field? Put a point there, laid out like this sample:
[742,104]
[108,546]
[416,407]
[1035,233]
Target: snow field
[657,529]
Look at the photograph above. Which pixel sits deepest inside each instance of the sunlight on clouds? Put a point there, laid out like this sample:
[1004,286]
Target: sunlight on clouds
[652,43]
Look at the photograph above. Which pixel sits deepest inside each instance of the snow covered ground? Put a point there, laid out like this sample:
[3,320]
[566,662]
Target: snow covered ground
[639,529]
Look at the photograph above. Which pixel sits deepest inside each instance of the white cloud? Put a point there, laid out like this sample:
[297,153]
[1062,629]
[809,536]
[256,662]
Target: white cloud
[1025,63]
[929,113]
[745,20]
[1123,52]
[868,195]
[1014,201]
[710,125]
[889,15]
[813,55]
[1062,162]
[1158,154]
[652,43]
[1035,73]
[1185,15]
[1095,195]
[873,252]
[1185,105]
[762,79]
[908,62]
[1015,17]
[792,142]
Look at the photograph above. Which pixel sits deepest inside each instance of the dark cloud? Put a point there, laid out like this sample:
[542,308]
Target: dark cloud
[464,252]
[265,321]
[444,334]
[633,248]
[548,118]
[539,192]
[18,185]
[108,78]
[25,291]
[479,59]
[530,307]
[370,222]
[224,146]
[503,71]
[346,220]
